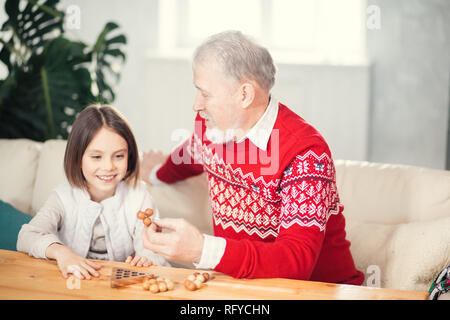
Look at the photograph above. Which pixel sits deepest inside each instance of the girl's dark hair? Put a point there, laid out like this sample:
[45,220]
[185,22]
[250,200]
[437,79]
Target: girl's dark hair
[88,122]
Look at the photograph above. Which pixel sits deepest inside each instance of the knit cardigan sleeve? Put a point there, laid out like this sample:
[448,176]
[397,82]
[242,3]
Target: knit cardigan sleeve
[36,236]
[308,198]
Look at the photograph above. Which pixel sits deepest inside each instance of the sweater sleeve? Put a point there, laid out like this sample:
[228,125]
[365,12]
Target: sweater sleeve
[185,160]
[307,200]
[35,237]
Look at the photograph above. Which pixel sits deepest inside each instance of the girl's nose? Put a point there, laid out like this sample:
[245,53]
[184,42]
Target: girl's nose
[108,164]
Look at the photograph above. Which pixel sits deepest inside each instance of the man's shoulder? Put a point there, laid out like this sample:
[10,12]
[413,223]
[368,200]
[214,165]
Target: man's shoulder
[293,124]
[297,135]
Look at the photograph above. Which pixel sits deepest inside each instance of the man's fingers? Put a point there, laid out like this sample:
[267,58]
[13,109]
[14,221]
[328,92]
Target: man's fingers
[157,248]
[168,223]
[158,238]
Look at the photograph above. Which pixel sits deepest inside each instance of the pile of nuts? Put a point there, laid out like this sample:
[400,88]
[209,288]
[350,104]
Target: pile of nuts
[145,216]
[196,280]
[158,285]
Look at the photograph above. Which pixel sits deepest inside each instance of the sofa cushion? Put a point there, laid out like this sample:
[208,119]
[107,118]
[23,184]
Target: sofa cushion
[187,199]
[408,255]
[12,220]
[392,194]
[50,172]
[18,165]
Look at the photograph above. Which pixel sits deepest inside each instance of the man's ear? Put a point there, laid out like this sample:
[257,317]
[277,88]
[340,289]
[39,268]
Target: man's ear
[247,94]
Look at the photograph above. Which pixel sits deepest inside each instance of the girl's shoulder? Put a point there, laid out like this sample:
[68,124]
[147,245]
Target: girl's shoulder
[66,191]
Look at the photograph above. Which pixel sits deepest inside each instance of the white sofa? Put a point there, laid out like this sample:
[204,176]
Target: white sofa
[398,217]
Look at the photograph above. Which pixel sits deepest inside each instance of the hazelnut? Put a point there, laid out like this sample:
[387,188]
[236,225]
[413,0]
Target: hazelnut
[198,284]
[191,277]
[200,278]
[146,285]
[170,284]
[162,286]
[154,288]
[147,221]
[190,285]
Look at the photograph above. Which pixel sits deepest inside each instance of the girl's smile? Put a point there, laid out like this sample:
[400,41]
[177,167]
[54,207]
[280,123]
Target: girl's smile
[104,163]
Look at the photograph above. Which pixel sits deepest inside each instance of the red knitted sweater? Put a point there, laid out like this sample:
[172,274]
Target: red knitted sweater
[278,209]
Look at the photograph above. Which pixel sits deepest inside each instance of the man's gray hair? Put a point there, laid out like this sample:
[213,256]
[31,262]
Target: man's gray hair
[239,56]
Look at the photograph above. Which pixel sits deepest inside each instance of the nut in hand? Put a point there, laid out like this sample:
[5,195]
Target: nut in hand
[145,216]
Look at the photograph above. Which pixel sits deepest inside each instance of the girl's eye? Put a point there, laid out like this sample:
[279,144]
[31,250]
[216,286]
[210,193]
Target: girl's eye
[96,157]
[120,156]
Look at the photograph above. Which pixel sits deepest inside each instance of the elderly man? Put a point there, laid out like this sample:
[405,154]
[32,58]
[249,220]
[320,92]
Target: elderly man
[272,187]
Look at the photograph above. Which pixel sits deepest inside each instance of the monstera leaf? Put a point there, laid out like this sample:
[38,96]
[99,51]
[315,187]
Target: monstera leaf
[50,77]
[49,94]
[30,28]
[106,55]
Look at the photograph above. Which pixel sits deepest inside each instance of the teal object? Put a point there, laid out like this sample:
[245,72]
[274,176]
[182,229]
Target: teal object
[11,220]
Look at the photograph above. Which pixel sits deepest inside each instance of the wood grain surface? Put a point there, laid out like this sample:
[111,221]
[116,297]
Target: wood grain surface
[24,277]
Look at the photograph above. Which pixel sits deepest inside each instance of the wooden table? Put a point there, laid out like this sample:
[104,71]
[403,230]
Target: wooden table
[23,277]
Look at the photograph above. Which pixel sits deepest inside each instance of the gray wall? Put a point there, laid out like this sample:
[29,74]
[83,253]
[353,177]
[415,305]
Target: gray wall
[410,57]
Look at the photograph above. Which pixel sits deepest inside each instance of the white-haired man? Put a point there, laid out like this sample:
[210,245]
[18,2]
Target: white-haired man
[272,187]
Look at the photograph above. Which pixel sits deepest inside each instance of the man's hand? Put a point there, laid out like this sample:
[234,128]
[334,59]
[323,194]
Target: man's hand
[184,243]
[151,159]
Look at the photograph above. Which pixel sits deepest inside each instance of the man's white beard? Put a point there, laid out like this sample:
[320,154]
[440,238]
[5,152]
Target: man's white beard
[218,136]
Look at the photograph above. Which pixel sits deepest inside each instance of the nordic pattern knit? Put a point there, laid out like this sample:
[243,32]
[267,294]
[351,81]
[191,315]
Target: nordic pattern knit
[278,209]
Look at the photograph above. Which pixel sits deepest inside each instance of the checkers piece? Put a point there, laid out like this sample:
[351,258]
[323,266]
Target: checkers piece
[123,277]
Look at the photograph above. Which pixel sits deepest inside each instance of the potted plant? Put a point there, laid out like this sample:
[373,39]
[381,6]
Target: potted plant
[51,78]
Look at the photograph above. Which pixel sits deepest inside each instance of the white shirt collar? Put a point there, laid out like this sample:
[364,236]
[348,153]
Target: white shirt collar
[260,133]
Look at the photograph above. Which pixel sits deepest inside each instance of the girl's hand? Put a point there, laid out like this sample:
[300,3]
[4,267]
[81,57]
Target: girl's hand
[69,262]
[138,261]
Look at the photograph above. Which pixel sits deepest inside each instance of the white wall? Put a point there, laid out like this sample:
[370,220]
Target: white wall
[394,111]
[137,20]
[323,95]
[156,93]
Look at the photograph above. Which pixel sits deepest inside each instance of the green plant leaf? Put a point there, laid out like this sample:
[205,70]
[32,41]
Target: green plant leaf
[108,56]
[50,78]
[56,83]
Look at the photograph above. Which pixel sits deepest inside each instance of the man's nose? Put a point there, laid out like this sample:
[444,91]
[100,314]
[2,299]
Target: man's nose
[198,105]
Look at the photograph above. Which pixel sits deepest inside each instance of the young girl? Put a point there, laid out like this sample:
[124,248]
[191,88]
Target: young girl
[94,214]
